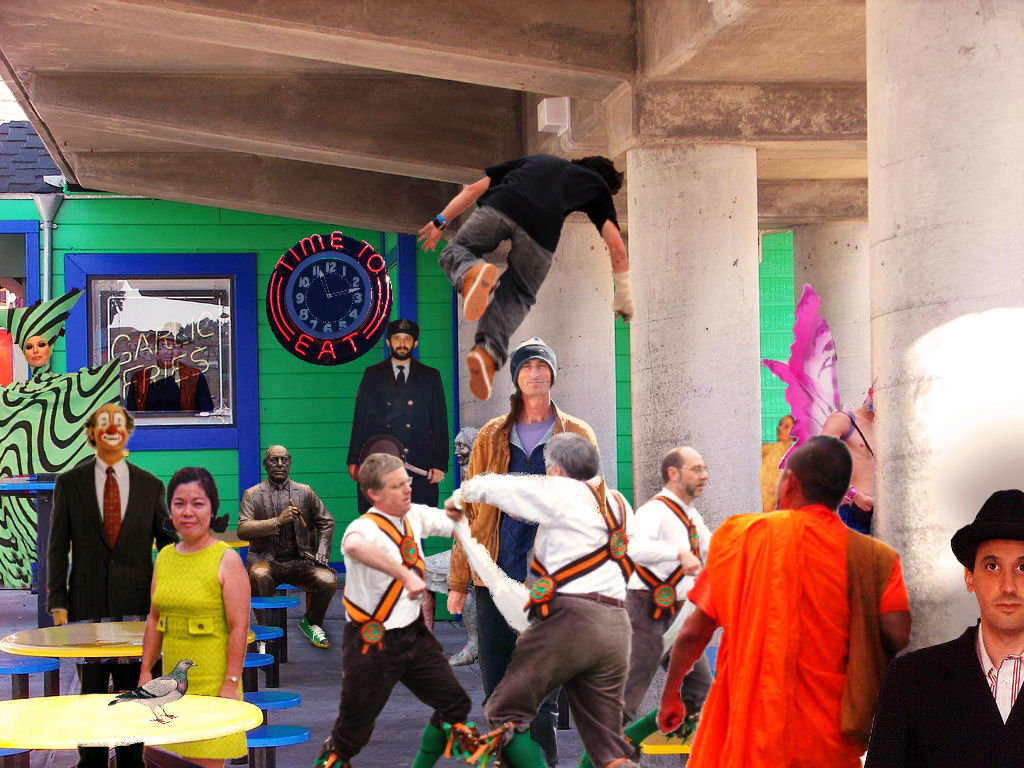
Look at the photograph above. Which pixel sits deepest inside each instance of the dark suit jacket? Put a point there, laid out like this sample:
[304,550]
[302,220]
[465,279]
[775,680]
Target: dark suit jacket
[416,415]
[104,582]
[936,709]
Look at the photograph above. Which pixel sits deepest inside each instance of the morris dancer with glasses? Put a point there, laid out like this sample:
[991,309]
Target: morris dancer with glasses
[657,591]
[385,640]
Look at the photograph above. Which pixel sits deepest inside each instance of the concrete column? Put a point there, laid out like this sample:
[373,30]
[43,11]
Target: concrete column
[947,284]
[695,342]
[573,314]
[833,259]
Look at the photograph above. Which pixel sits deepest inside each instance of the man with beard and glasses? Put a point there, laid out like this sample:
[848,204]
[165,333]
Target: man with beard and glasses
[403,398]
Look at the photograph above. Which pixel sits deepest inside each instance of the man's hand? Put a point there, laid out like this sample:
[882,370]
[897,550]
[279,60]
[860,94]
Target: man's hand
[60,616]
[862,500]
[671,711]
[452,508]
[690,562]
[320,558]
[290,514]
[435,476]
[353,472]
[145,675]
[413,584]
[622,304]
[456,600]
[428,236]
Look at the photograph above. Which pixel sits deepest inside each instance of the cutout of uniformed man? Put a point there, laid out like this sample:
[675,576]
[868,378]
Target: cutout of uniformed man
[403,398]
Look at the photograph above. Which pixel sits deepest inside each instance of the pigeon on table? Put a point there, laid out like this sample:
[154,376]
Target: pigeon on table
[160,691]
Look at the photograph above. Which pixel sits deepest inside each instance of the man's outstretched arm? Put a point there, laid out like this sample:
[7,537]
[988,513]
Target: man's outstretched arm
[431,233]
[693,639]
[623,305]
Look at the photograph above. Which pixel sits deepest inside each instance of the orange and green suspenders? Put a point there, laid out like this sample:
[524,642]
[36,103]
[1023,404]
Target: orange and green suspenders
[371,626]
[616,550]
[663,593]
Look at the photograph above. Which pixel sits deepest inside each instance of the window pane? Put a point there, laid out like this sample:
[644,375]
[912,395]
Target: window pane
[174,338]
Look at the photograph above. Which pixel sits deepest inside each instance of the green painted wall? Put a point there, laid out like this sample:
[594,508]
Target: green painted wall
[777,307]
[434,305]
[623,411]
[306,408]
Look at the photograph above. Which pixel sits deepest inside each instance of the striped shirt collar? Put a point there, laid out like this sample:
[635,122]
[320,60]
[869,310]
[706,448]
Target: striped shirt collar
[1005,680]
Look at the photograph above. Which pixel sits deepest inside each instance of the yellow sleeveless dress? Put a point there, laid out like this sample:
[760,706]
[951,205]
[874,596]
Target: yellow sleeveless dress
[188,595]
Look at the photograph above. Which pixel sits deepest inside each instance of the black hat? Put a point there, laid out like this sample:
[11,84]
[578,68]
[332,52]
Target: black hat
[531,349]
[1001,517]
[404,326]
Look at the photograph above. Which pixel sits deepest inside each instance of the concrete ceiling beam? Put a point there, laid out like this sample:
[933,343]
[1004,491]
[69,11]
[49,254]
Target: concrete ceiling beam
[663,111]
[269,185]
[783,204]
[368,120]
[583,48]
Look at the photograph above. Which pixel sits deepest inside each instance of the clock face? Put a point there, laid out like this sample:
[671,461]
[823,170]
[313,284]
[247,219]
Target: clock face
[329,298]
[328,295]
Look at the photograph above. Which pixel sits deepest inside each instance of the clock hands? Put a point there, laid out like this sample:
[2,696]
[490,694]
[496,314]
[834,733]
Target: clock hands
[327,292]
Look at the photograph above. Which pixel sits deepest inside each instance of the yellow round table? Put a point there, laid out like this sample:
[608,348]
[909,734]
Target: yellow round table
[100,640]
[68,722]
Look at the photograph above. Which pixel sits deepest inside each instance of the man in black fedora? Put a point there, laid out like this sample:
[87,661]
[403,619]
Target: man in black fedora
[403,398]
[956,704]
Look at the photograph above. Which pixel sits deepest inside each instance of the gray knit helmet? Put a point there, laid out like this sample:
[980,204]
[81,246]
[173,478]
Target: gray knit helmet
[531,349]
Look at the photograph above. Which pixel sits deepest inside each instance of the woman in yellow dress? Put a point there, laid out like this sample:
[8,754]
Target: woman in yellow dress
[200,607]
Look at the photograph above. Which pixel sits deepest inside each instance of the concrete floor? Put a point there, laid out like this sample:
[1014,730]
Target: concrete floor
[315,674]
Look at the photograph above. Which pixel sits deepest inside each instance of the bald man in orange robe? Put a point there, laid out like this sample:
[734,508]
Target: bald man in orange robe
[812,612]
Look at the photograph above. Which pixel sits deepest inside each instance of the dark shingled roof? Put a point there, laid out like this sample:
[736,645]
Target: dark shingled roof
[23,159]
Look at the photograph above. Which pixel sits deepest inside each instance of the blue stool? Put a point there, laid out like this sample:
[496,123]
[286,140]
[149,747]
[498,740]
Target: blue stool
[253,661]
[276,610]
[20,667]
[264,740]
[265,637]
[13,758]
[286,587]
[271,700]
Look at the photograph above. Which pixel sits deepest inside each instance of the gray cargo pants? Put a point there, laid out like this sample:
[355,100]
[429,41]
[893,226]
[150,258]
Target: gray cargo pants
[528,265]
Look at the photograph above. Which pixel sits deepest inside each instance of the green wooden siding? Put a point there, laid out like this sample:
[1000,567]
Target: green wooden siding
[777,306]
[306,408]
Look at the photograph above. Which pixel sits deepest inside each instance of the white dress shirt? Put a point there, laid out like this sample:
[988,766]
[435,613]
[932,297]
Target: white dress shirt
[364,585]
[570,525]
[120,474]
[656,520]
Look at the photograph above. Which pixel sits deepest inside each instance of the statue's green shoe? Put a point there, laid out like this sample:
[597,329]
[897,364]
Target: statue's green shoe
[315,633]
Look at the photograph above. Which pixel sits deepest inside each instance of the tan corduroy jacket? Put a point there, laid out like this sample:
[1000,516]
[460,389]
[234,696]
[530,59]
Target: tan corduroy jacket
[491,454]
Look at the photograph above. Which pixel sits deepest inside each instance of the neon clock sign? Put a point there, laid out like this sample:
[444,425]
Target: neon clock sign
[329,298]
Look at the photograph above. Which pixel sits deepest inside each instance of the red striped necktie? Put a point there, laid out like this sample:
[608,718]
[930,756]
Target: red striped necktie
[111,508]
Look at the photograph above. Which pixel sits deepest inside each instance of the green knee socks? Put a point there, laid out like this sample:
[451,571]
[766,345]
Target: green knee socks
[640,729]
[431,746]
[523,752]
[636,732]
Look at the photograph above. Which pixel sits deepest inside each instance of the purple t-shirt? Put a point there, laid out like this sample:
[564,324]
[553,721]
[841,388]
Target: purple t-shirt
[530,434]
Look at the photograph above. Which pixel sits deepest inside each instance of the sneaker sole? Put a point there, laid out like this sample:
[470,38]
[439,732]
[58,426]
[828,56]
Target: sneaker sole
[475,299]
[479,382]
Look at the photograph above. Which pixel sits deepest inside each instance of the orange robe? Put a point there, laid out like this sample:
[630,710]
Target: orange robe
[777,584]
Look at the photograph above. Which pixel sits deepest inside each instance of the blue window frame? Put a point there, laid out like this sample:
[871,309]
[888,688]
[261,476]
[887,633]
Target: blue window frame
[243,433]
